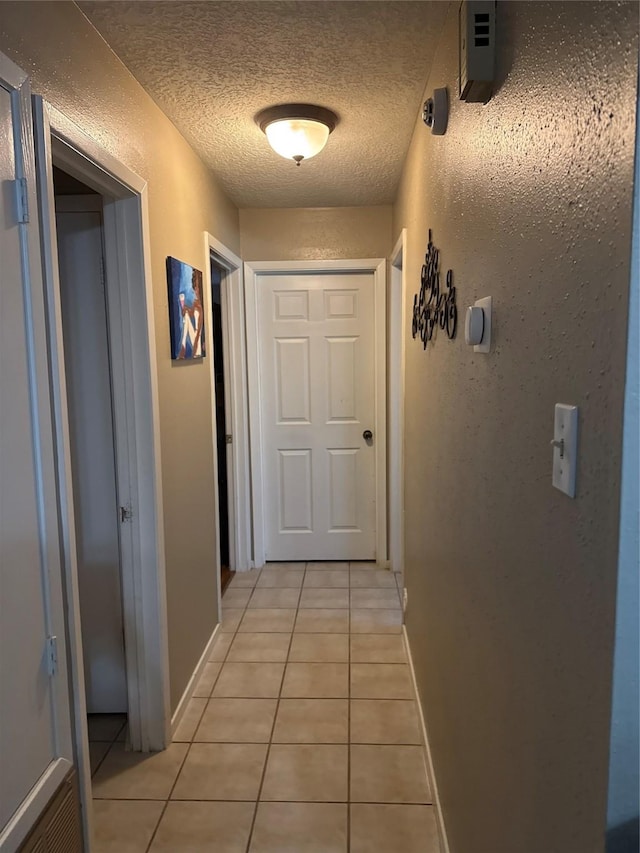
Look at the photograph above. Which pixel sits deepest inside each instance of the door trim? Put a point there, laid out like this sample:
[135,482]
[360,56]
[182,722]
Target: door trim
[252,270]
[17,83]
[397,333]
[136,414]
[236,405]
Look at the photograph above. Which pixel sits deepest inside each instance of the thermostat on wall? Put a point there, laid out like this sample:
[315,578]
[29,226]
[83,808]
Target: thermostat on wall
[474,325]
[477,325]
[436,112]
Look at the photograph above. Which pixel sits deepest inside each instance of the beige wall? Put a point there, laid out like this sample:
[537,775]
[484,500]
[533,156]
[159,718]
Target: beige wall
[318,233]
[73,68]
[511,583]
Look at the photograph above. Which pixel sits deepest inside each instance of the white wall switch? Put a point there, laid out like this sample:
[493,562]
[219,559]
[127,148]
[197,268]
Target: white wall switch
[565,448]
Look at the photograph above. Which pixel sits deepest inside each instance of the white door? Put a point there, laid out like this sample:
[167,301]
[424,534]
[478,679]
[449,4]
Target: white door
[316,357]
[35,723]
[87,369]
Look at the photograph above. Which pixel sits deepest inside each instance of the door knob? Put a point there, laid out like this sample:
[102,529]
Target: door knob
[367,435]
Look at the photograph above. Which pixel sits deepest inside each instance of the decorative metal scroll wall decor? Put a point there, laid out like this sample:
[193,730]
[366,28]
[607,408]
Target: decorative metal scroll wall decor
[433,307]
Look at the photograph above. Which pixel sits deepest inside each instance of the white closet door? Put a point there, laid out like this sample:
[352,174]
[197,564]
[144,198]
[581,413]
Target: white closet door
[84,324]
[317,389]
[35,724]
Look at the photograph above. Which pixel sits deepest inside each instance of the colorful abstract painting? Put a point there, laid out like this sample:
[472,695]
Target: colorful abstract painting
[186,312]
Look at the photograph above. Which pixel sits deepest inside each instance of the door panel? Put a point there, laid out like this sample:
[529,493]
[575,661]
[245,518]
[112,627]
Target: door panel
[291,306]
[22,588]
[293,382]
[343,488]
[295,490]
[316,350]
[35,723]
[341,387]
[341,304]
[84,323]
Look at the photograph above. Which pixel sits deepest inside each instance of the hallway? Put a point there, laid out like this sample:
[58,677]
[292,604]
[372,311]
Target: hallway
[302,736]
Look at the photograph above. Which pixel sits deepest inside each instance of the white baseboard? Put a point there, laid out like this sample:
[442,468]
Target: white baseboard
[191,686]
[430,771]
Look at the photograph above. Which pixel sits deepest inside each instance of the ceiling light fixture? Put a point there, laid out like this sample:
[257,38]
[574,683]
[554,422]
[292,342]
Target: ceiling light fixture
[297,131]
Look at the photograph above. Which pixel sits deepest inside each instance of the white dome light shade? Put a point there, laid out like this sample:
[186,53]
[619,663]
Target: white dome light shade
[295,138]
[297,131]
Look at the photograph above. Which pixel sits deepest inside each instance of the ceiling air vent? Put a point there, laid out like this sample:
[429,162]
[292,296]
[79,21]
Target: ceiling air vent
[477,47]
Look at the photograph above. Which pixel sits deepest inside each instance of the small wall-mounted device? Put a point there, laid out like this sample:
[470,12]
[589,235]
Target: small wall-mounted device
[477,325]
[477,49]
[474,325]
[436,112]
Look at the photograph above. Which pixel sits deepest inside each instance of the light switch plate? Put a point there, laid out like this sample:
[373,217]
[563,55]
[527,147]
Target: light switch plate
[565,457]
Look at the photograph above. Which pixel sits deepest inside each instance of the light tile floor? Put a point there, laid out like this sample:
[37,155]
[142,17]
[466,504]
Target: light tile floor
[302,736]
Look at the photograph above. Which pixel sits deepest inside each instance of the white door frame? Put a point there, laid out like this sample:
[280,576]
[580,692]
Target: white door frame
[236,400]
[397,333]
[254,269]
[136,416]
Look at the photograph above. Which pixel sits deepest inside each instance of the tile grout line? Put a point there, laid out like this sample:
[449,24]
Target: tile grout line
[166,802]
[215,680]
[290,742]
[108,750]
[225,659]
[273,725]
[294,802]
[191,741]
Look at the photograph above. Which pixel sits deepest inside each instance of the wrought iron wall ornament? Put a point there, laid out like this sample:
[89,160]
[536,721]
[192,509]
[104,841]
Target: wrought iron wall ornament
[433,307]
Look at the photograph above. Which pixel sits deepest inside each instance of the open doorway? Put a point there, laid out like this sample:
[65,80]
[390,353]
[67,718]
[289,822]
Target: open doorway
[93,454]
[224,304]
[396,319]
[128,297]
[223,437]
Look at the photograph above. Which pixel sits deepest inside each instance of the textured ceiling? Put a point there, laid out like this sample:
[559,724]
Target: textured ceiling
[211,66]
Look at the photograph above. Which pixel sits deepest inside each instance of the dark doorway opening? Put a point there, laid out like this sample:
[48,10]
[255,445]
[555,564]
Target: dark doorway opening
[217,277]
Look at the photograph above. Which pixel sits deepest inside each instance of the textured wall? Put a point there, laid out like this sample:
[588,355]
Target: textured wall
[511,583]
[320,233]
[73,68]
